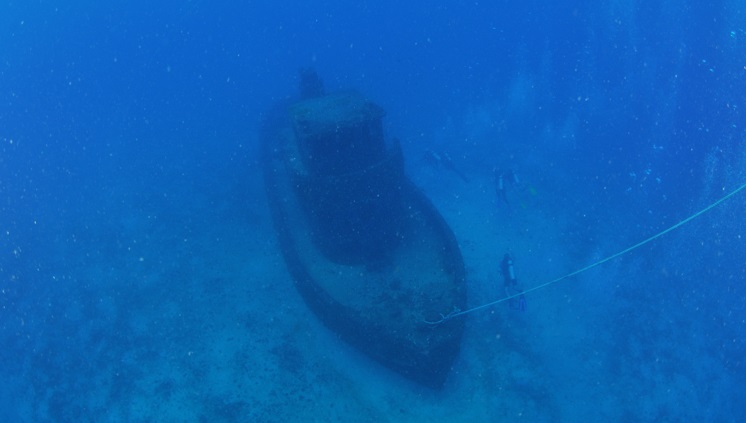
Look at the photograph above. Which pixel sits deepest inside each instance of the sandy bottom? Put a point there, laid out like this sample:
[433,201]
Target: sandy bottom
[178,307]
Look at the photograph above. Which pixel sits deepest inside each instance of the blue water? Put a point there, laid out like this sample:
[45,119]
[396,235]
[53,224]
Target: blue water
[140,279]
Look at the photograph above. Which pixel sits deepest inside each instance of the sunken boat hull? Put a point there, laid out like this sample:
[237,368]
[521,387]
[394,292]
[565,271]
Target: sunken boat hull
[368,252]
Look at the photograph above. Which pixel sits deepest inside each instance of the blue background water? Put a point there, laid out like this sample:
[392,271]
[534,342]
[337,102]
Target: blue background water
[140,279]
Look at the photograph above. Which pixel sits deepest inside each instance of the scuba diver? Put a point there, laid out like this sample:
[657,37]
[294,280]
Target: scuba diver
[502,180]
[511,284]
[502,197]
[445,161]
